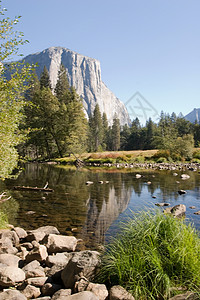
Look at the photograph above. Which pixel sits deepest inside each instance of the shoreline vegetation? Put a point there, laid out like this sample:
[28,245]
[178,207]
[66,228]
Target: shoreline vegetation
[144,159]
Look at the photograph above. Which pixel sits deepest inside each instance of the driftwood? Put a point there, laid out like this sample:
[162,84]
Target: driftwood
[3,199]
[30,188]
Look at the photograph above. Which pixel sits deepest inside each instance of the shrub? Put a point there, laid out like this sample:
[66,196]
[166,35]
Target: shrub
[3,220]
[196,154]
[139,159]
[161,160]
[162,153]
[153,253]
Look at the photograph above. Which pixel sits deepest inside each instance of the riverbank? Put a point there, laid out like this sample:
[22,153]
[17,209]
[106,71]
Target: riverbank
[43,264]
[146,159]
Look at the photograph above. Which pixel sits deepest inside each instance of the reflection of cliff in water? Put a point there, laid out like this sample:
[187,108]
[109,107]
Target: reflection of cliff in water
[98,222]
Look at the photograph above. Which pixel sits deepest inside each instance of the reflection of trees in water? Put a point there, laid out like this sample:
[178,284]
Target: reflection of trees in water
[89,209]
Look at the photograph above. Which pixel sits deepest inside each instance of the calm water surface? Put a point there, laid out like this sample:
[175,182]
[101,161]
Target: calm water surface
[93,212]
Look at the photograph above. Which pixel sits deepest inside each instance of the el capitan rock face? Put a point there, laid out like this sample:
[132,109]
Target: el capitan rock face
[84,74]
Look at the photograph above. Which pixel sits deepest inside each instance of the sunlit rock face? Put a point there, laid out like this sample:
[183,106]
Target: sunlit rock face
[84,73]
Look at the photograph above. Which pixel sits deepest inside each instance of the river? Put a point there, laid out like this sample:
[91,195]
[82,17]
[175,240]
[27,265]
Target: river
[92,212]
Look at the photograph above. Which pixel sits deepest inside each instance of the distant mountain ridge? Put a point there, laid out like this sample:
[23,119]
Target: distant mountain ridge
[84,73]
[193,116]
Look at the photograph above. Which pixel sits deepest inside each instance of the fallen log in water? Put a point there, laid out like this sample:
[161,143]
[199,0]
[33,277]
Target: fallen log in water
[29,188]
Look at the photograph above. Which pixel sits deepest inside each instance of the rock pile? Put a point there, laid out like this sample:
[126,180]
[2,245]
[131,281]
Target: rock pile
[42,264]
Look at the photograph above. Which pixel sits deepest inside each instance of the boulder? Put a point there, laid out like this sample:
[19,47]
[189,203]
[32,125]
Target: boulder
[162,204]
[83,263]
[61,294]
[177,210]
[11,235]
[40,254]
[60,243]
[81,285]
[36,281]
[9,259]
[12,295]
[117,292]
[82,296]
[59,259]
[27,245]
[31,291]
[33,269]
[6,246]
[182,192]
[48,289]
[39,233]
[22,234]
[10,276]
[99,290]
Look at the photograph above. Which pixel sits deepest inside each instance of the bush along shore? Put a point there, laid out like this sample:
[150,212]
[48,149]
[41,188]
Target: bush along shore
[154,257]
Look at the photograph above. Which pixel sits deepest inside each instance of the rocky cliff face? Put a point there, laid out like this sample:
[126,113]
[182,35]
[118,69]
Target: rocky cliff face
[84,74]
[193,116]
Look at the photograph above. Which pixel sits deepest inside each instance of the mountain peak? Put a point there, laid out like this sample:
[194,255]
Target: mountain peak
[84,73]
[193,116]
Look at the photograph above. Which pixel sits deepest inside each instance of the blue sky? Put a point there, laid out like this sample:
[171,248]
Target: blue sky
[146,46]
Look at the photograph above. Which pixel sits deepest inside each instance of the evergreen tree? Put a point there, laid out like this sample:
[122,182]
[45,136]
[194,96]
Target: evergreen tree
[116,134]
[105,131]
[124,137]
[96,130]
[44,79]
[62,85]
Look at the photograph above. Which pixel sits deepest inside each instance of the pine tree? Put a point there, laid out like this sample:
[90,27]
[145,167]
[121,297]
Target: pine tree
[96,130]
[62,85]
[44,79]
[116,134]
[105,131]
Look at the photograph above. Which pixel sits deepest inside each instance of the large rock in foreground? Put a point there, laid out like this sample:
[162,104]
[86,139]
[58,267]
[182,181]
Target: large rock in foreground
[83,263]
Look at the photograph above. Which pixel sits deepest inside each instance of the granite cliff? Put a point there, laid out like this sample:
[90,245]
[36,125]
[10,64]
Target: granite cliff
[84,74]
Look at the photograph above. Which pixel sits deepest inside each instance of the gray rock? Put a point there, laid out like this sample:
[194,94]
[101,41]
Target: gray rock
[60,243]
[185,176]
[39,233]
[48,289]
[27,245]
[6,246]
[177,210]
[99,290]
[59,259]
[43,298]
[82,296]
[31,291]
[11,235]
[33,269]
[182,192]
[9,259]
[61,294]
[197,212]
[20,232]
[10,276]
[84,74]
[186,296]
[12,295]
[37,281]
[40,254]
[83,263]
[81,285]
[117,292]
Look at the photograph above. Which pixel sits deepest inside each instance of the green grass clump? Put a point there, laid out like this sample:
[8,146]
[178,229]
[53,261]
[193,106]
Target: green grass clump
[153,253]
[3,220]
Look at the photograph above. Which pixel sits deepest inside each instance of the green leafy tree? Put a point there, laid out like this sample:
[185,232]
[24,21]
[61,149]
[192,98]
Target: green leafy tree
[11,94]
[105,131]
